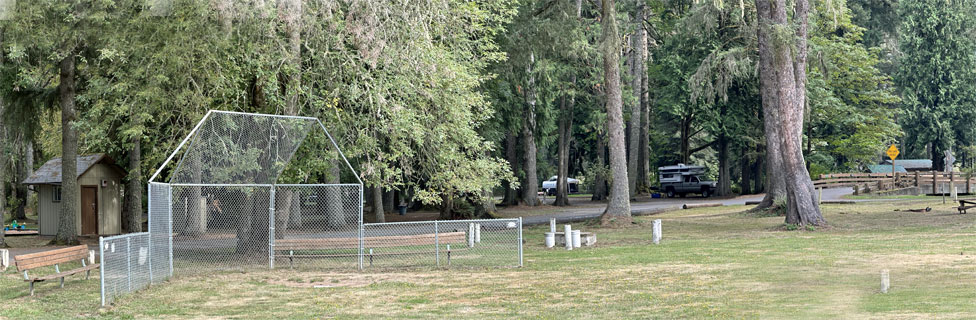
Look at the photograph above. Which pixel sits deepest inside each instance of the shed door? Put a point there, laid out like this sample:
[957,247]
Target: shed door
[89,210]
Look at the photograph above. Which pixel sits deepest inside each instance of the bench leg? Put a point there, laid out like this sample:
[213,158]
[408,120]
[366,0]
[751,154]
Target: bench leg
[448,258]
[87,274]
[62,282]
[32,289]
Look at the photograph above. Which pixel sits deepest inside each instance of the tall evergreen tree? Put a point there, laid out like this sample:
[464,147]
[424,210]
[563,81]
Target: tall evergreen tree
[935,76]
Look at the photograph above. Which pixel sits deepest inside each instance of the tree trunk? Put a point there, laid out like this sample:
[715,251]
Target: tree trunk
[643,156]
[3,160]
[67,226]
[22,173]
[790,90]
[565,134]
[531,185]
[686,139]
[511,154]
[600,183]
[283,208]
[724,170]
[745,172]
[133,191]
[633,127]
[618,209]
[378,204]
[196,215]
[447,206]
[774,185]
[388,201]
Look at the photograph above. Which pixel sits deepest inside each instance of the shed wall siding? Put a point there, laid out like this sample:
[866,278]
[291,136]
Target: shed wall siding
[47,210]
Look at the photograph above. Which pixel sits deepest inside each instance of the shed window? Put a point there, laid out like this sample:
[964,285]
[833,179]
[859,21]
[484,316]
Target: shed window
[57,194]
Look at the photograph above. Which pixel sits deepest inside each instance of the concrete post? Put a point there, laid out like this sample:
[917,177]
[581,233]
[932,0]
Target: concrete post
[550,239]
[568,236]
[4,258]
[477,233]
[471,235]
[576,239]
[885,282]
[656,231]
[552,225]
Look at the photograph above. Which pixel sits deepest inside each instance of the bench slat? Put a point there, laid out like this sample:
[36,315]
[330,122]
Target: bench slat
[50,258]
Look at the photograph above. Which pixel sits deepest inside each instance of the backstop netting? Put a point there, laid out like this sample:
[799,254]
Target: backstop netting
[251,191]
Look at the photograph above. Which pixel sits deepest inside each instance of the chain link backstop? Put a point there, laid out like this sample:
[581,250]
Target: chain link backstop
[226,206]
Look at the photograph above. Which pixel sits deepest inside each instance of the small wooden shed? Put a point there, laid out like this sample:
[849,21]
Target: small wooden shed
[100,183]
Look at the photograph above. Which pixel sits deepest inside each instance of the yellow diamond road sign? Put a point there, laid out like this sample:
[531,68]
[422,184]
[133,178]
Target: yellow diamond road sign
[892,152]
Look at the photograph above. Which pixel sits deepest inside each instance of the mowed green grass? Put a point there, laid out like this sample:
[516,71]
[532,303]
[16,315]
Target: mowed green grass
[712,263]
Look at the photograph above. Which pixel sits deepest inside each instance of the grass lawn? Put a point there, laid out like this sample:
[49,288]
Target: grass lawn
[712,263]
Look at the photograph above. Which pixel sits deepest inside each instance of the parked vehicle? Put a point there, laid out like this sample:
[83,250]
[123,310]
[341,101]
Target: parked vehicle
[550,185]
[681,179]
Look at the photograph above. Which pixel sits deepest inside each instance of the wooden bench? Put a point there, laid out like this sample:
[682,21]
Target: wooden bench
[54,258]
[286,248]
[965,205]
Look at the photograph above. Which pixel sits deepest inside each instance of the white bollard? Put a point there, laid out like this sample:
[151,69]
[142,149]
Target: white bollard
[656,232]
[4,258]
[568,237]
[550,239]
[576,238]
[91,256]
[552,225]
[477,233]
[885,283]
[471,235]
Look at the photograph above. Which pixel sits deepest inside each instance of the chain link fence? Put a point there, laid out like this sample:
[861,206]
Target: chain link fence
[125,265]
[225,207]
[463,243]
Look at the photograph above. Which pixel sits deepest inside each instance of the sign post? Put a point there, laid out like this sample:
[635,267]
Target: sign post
[893,153]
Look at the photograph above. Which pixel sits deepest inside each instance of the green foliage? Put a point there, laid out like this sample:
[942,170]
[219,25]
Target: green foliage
[935,75]
[852,105]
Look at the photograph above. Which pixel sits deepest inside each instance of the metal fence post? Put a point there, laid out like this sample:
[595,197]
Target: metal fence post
[361,231]
[271,228]
[149,242]
[101,263]
[128,264]
[437,245]
[169,230]
[520,241]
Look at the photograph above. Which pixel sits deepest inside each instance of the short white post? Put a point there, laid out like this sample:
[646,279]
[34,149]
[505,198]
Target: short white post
[576,238]
[656,232]
[568,237]
[471,235]
[550,239]
[477,232]
[885,283]
[820,195]
[552,225]
[91,256]
[4,258]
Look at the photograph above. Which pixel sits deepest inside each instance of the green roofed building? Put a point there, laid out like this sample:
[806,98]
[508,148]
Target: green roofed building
[885,168]
[911,164]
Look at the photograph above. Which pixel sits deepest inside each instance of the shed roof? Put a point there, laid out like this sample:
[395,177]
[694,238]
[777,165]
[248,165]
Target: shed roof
[882,168]
[50,172]
[913,163]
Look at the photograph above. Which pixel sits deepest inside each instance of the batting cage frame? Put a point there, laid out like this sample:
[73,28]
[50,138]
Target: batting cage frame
[231,202]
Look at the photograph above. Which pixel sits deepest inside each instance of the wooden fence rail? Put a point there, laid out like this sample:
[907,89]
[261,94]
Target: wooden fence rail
[888,181]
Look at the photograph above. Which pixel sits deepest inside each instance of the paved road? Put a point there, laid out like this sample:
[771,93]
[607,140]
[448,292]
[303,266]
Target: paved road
[652,206]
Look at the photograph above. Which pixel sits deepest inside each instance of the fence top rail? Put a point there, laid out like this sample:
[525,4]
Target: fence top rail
[441,221]
[243,185]
[318,185]
[123,236]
